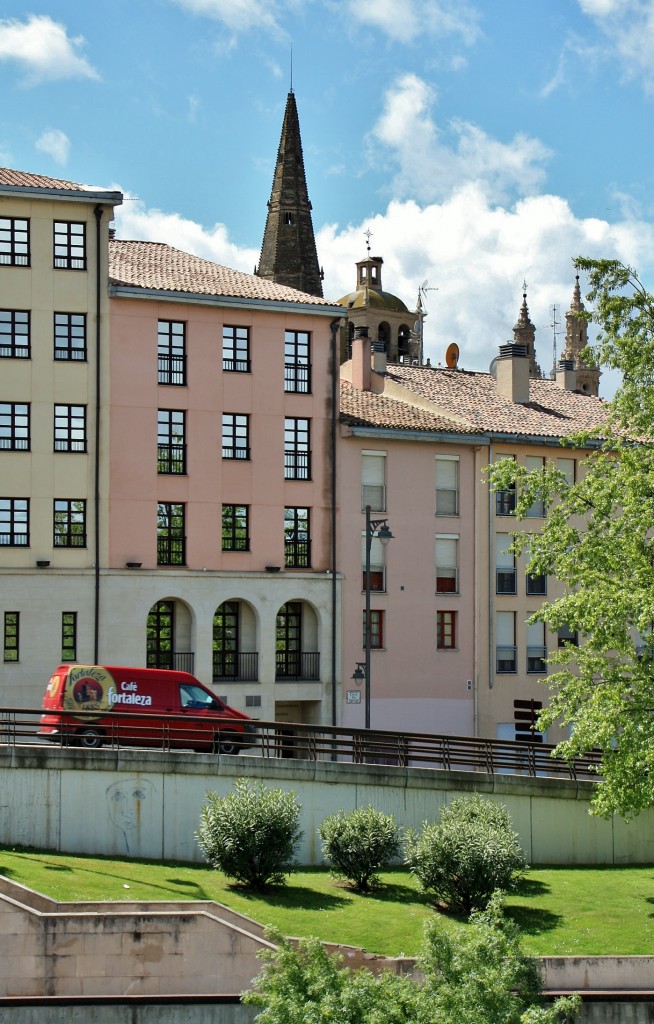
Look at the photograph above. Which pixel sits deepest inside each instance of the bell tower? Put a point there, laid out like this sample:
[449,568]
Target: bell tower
[576,340]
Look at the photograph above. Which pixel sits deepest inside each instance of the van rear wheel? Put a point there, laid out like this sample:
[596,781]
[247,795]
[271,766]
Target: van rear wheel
[90,739]
[228,743]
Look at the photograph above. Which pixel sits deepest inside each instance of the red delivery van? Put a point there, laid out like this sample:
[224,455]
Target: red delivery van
[164,708]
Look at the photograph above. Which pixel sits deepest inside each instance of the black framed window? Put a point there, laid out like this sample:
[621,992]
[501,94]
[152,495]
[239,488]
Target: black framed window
[70,336]
[69,636]
[567,637]
[297,448]
[70,428]
[11,636]
[297,538]
[14,334]
[171,352]
[536,586]
[505,502]
[236,431]
[226,641]
[14,426]
[297,361]
[69,518]
[171,441]
[69,245]
[14,242]
[15,522]
[171,533]
[160,641]
[235,528]
[236,349]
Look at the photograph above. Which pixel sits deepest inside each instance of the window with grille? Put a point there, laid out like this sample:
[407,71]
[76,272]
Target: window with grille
[235,528]
[14,242]
[236,349]
[70,336]
[70,428]
[297,449]
[14,334]
[171,352]
[69,523]
[14,426]
[15,522]
[171,441]
[236,429]
[69,245]
[297,540]
[297,364]
[171,533]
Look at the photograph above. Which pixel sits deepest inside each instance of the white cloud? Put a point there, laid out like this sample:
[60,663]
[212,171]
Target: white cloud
[240,15]
[43,49]
[56,144]
[628,26]
[431,162]
[406,20]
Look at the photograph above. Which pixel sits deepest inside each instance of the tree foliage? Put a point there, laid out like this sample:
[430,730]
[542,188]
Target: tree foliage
[252,834]
[477,975]
[358,843]
[467,855]
[597,541]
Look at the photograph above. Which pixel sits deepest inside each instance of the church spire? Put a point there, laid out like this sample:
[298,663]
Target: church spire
[576,340]
[524,333]
[288,252]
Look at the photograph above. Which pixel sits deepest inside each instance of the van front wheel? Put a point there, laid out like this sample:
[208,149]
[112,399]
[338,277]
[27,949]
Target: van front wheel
[90,739]
[228,743]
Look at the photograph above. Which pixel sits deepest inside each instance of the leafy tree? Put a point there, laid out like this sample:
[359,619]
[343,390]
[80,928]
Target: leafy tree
[358,843]
[598,542]
[477,976]
[252,834]
[467,855]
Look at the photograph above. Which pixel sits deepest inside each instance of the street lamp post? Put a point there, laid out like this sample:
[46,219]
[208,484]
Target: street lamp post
[378,528]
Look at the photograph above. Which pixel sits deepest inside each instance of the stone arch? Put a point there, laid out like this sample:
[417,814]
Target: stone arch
[170,635]
[234,641]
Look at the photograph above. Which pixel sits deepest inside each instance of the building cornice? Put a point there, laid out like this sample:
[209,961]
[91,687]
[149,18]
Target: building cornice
[70,195]
[119,291]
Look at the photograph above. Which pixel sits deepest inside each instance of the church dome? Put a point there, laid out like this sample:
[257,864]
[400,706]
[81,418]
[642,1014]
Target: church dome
[373,299]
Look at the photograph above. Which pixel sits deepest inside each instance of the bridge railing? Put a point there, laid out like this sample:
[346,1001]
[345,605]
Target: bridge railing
[299,741]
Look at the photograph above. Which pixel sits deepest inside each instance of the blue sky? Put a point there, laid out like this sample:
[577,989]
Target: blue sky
[482,142]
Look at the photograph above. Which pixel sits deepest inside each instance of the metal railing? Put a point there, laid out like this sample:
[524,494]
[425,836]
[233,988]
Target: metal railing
[299,741]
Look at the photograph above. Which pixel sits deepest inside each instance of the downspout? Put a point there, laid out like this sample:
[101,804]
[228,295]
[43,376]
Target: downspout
[334,425]
[491,587]
[96,467]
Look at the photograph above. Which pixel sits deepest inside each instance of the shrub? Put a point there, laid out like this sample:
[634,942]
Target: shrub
[252,834]
[472,851]
[359,843]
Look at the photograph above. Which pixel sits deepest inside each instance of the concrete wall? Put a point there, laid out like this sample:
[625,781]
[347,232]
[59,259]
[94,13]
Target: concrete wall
[217,1011]
[147,804]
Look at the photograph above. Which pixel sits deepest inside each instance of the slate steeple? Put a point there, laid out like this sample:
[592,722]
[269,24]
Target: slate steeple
[288,252]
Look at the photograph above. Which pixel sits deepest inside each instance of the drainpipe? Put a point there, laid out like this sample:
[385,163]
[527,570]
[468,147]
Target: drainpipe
[334,425]
[96,467]
[491,586]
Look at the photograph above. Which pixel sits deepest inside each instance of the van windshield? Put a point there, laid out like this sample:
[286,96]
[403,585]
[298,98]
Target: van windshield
[195,697]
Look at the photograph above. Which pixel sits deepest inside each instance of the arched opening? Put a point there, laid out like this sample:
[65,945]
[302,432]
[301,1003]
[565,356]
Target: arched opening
[296,642]
[384,335]
[404,344]
[169,636]
[234,643]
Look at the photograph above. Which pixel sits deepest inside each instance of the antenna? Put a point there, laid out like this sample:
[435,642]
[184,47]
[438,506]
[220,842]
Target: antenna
[291,69]
[368,236]
[419,326]
[554,324]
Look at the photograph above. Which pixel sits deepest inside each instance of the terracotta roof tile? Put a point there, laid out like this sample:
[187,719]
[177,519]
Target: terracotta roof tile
[364,408]
[160,267]
[473,398]
[26,180]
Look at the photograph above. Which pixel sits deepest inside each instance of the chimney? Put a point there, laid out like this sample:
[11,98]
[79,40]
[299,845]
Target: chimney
[566,375]
[361,370]
[379,356]
[513,372]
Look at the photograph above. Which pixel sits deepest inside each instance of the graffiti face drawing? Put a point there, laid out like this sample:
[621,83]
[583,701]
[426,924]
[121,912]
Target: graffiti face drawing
[125,801]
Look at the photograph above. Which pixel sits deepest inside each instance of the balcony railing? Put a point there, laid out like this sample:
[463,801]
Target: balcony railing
[536,660]
[505,659]
[180,661]
[298,665]
[235,666]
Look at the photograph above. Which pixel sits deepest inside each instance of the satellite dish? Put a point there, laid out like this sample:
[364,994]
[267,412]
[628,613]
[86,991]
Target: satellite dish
[492,369]
[452,355]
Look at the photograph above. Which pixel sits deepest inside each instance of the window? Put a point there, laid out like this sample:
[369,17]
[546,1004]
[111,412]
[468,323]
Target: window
[525,716]
[69,245]
[171,352]
[235,528]
[536,586]
[297,367]
[171,536]
[567,467]
[14,522]
[567,637]
[236,349]
[69,523]
[297,450]
[160,642]
[445,631]
[535,464]
[377,564]
[376,633]
[69,636]
[226,641]
[171,441]
[12,620]
[536,649]
[14,334]
[70,336]
[447,562]
[505,650]
[14,242]
[14,427]
[70,428]
[373,480]
[505,502]
[236,436]
[447,485]
[297,541]
[505,571]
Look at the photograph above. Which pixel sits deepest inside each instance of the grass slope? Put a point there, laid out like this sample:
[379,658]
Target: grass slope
[564,911]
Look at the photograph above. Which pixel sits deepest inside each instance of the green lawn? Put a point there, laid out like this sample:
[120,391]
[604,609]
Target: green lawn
[566,911]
